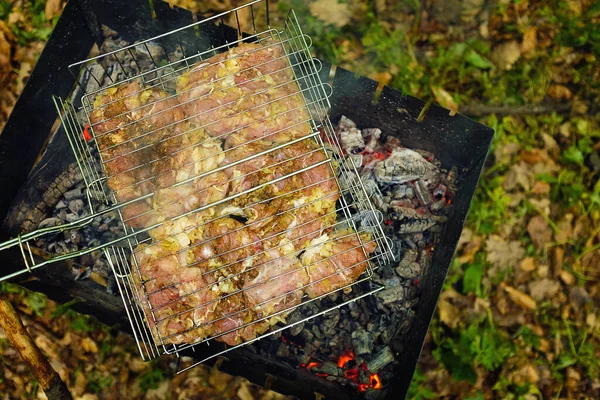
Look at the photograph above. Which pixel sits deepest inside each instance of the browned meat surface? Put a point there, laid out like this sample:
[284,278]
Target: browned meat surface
[335,262]
[245,94]
[278,285]
[228,271]
[127,120]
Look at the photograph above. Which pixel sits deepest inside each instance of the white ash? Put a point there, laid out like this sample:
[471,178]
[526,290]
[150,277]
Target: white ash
[413,193]
[74,206]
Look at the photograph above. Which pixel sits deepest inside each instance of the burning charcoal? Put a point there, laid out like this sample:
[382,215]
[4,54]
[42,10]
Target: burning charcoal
[403,165]
[82,273]
[374,394]
[364,377]
[76,206]
[391,295]
[440,191]
[75,237]
[93,78]
[328,368]
[73,194]
[317,332]
[402,212]
[48,222]
[329,324]
[437,206]
[391,143]
[350,137]
[411,271]
[283,350]
[380,360]
[416,226]
[422,192]
[391,282]
[429,156]
[152,50]
[379,202]
[345,124]
[451,177]
[352,141]
[401,191]
[295,316]
[372,136]
[409,257]
[354,310]
[70,217]
[361,341]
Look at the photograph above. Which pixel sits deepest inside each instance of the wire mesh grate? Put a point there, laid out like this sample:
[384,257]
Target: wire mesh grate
[237,202]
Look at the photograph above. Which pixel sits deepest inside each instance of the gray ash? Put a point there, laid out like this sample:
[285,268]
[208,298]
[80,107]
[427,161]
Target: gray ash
[74,205]
[358,345]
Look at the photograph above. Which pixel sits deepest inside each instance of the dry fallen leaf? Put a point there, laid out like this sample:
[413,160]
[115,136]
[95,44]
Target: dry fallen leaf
[162,392]
[540,188]
[551,145]
[506,54]
[529,40]
[331,12]
[444,99]
[465,238]
[559,92]
[87,396]
[567,277]
[80,384]
[88,345]
[504,153]
[382,77]
[528,264]
[53,7]
[573,378]
[543,289]
[502,253]
[539,231]
[565,228]
[24,72]
[449,314]
[5,51]
[520,298]
[470,250]
[519,174]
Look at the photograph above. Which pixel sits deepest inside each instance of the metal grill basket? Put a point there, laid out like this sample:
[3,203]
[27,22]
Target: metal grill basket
[158,81]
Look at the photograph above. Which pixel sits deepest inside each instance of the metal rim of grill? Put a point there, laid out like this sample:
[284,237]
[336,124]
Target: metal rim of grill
[353,200]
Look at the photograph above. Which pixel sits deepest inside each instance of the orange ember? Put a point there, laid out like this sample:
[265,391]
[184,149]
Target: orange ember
[312,364]
[375,381]
[344,358]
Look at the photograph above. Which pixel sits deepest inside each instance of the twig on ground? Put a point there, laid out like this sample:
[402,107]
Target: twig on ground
[41,369]
[480,110]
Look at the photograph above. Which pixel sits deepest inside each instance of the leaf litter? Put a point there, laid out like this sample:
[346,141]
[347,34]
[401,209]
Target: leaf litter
[518,313]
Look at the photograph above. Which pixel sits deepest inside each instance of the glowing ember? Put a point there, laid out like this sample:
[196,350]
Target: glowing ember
[375,381]
[312,364]
[287,341]
[348,356]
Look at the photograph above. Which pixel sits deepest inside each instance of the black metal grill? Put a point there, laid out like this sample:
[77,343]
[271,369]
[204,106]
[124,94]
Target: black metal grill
[455,140]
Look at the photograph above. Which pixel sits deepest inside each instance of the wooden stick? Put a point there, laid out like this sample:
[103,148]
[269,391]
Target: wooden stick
[41,369]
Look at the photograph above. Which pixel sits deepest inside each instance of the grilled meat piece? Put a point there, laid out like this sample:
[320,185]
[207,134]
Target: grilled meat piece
[247,93]
[336,261]
[127,120]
